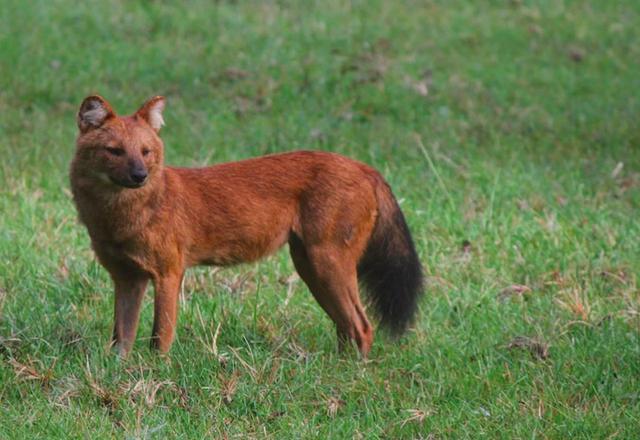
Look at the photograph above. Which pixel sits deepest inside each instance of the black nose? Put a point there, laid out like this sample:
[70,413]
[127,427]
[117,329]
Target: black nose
[139,176]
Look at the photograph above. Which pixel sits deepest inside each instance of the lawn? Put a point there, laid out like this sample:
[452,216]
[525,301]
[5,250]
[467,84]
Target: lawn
[510,132]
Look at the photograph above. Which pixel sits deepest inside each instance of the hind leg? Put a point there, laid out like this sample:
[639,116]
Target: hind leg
[305,270]
[332,279]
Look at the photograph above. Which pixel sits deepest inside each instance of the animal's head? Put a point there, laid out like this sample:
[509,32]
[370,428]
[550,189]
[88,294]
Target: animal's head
[125,151]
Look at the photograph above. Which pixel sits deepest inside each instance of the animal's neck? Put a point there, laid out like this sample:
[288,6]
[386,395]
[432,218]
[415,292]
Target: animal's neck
[119,213]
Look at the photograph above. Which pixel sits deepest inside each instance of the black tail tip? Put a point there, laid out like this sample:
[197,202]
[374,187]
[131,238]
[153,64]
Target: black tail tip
[392,275]
[403,285]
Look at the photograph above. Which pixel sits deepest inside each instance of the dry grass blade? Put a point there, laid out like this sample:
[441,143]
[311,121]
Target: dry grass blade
[299,353]
[228,386]
[29,371]
[240,284]
[415,415]
[333,405]
[290,282]
[105,397]
[63,270]
[234,74]
[3,296]
[420,86]
[146,390]
[24,371]
[8,344]
[293,278]
[251,370]
[618,275]
[538,349]
[514,291]
[64,390]
[574,301]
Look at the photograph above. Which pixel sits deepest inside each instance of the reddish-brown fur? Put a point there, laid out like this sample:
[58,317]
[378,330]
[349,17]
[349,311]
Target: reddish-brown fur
[324,205]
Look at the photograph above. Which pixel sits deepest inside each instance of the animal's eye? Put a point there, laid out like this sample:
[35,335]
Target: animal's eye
[145,151]
[116,151]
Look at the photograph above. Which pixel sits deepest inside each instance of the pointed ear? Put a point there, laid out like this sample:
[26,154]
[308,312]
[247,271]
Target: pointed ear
[151,112]
[94,111]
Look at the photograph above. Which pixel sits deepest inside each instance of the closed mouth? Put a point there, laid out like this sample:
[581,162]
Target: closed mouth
[130,185]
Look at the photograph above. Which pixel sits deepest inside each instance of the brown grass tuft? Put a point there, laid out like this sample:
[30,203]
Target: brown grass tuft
[228,386]
[29,371]
[575,301]
[538,349]
[514,291]
[333,405]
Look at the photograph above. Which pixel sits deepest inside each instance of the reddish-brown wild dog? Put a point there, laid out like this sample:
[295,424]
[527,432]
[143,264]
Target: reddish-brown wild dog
[151,222]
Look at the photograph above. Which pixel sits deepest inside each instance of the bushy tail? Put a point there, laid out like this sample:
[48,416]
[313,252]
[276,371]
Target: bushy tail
[390,270]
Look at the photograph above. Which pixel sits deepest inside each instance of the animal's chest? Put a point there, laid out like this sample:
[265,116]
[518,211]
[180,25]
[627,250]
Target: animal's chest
[130,254]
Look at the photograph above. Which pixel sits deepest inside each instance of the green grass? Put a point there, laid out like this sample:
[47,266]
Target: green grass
[520,167]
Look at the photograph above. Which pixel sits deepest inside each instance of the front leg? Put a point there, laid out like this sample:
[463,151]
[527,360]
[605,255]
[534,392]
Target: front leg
[167,289]
[129,293]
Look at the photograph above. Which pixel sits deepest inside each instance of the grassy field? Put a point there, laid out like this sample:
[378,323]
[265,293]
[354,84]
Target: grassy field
[509,130]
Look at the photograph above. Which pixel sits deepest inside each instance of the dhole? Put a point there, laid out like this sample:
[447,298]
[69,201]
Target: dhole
[149,222]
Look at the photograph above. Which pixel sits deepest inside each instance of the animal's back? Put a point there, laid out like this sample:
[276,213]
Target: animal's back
[248,208]
[292,171]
